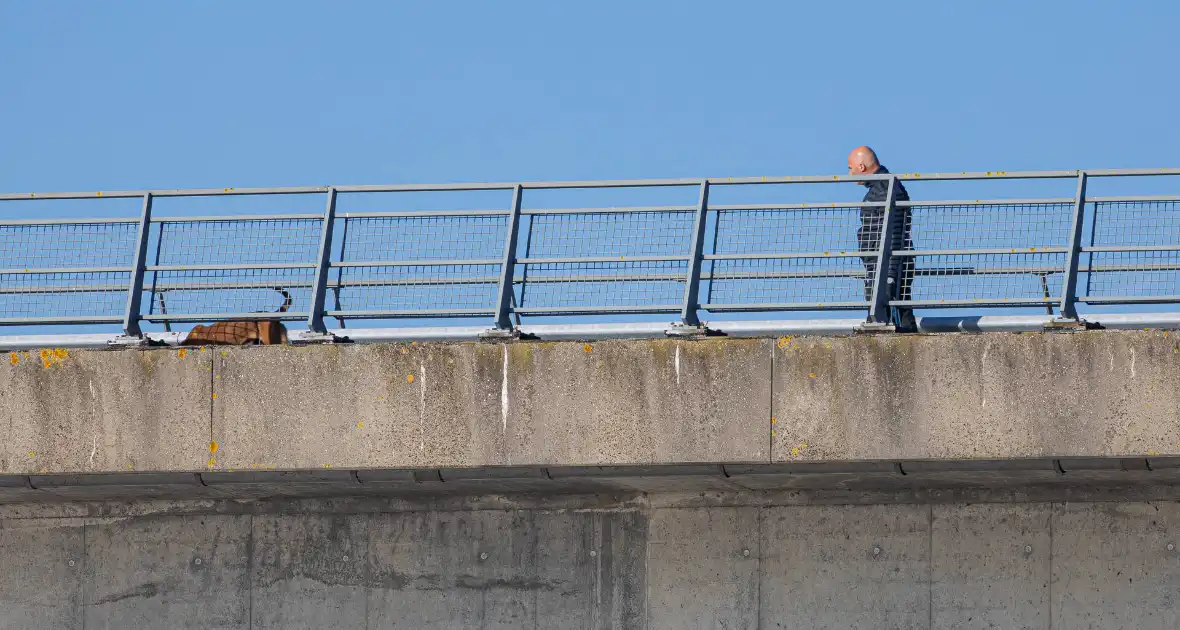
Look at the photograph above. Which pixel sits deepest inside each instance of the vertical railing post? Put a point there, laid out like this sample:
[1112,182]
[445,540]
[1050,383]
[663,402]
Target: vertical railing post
[688,309]
[340,272]
[315,312]
[503,317]
[1069,285]
[882,292]
[131,313]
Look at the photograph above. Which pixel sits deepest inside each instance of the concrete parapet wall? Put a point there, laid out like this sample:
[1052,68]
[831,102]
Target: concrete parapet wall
[911,399]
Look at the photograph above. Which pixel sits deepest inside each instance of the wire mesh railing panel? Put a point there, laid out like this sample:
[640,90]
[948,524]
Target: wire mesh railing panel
[782,231]
[1136,224]
[992,278]
[582,286]
[1135,274]
[205,291]
[63,294]
[988,226]
[463,237]
[778,281]
[418,288]
[594,234]
[67,245]
[239,241]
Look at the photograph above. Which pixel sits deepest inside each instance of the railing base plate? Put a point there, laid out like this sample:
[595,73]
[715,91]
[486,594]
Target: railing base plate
[308,338]
[1060,324]
[500,334]
[874,328]
[681,331]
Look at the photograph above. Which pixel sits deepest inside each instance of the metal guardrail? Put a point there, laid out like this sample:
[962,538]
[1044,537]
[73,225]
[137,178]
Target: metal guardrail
[502,264]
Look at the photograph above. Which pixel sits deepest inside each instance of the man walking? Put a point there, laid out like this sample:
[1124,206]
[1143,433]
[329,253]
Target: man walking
[863,161]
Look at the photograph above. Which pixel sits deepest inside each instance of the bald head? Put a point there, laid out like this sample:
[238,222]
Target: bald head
[862,161]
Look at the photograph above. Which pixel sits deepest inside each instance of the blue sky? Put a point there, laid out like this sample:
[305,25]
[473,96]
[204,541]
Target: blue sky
[168,94]
[137,95]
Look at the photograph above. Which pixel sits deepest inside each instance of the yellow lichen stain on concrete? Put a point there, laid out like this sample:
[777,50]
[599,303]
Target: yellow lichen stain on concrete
[50,358]
[409,378]
[182,353]
[213,446]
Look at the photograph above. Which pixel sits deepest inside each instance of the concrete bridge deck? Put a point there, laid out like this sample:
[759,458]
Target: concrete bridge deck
[654,415]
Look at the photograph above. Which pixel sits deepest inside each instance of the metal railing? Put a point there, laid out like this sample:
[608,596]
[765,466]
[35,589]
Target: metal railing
[683,260]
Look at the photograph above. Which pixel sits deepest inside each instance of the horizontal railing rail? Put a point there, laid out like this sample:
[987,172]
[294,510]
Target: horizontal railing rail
[593,260]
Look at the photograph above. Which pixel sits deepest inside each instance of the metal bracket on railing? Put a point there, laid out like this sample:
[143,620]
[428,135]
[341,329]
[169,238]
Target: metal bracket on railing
[504,292]
[688,309]
[1068,316]
[319,286]
[882,291]
[132,333]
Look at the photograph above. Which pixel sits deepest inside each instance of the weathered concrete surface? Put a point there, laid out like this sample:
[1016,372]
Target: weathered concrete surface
[703,568]
[454,405]
[1112,567]
[160,572]
[846,567]
[991,565]
[308,571]
[995,396]
[78,411]
[412,417]
[591,563]
[642,403]
[358,406]
[41,582]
